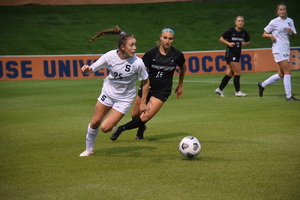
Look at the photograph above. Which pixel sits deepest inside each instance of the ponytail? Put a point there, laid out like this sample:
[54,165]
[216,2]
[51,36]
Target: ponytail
[115,31]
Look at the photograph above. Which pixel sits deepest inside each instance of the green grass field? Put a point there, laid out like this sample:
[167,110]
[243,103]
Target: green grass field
[250,146]
[51,30]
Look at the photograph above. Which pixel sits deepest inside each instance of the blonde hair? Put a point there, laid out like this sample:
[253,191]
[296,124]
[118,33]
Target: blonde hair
[238,17]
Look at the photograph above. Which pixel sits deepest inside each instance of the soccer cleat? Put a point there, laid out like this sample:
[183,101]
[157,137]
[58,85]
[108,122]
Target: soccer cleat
[292,99]
[87,153]
[116,134]
[219,92]
[140,133]
[240,94]
[260,89]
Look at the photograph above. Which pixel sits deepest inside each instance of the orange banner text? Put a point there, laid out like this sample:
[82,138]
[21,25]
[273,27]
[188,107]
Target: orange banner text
[68,66]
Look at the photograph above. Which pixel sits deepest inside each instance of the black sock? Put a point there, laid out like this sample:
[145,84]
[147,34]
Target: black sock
[224,82]
[134,123]
[236,82]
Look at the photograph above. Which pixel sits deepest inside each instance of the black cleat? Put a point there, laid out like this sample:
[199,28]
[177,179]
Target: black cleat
[140,132]
[292,99]
[260,89]
[114,136]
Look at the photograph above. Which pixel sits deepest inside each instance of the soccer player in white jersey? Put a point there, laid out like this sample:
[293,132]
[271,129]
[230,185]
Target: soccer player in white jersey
[118,91]
[279,30]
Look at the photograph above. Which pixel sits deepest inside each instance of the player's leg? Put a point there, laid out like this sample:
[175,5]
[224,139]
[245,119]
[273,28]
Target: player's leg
[236,69]
[154,104]
[111,120]
[100,112]
[273,78]
[136,107]
[224,81]
[284,67]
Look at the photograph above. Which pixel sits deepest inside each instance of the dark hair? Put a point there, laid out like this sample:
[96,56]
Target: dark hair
[123,38]
[114,31]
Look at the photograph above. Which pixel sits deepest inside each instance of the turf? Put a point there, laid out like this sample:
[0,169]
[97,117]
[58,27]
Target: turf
[250,146]
[51,30]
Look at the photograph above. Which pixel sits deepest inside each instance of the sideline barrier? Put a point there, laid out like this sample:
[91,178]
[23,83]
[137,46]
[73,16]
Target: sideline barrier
[68,66]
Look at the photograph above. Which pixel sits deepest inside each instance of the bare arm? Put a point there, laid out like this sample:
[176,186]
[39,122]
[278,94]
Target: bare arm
[231,44]
[269,35]
[289,30]
[179,88]
[145,89]
[246,43]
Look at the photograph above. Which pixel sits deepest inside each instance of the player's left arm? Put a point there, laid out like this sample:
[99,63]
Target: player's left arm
[145,89]
[246,43]
[179,87]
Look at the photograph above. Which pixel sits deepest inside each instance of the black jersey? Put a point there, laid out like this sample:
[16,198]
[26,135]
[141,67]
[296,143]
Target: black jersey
[232,35]
[161,67]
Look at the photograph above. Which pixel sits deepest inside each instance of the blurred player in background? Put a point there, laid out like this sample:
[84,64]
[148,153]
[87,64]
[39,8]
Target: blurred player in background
[234,38]
[118,91]
[279,30]
[161,62]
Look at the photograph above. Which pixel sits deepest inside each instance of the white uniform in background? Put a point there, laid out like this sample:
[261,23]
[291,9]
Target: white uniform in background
[278,27]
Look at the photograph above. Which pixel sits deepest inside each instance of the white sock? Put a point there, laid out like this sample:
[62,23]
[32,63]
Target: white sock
[270,80]
[287,85]
[91,137]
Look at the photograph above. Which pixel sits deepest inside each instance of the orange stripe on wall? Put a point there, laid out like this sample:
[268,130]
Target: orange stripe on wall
[68,66]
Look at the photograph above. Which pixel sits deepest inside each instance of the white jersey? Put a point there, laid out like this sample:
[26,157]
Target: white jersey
[278,28]
[123,74]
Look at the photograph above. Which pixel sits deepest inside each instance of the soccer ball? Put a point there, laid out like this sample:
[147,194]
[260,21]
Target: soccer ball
[189,147]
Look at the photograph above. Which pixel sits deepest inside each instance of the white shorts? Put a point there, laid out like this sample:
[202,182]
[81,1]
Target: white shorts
[280,57]
[119,105]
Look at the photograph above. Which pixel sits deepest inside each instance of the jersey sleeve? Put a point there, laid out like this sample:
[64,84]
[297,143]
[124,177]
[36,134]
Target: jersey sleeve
[142,72]
[226,35]
[270,27]
[293,27]
[147,58]
[100,63]
[181,59]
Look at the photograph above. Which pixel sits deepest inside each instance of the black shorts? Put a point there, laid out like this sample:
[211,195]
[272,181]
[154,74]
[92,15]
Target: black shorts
[232,57]
[161,95]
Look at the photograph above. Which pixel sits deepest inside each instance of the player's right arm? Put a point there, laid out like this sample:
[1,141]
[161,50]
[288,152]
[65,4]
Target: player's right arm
[231,44]
[269,35]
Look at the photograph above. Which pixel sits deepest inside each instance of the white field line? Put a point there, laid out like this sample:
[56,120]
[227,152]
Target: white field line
[248,83]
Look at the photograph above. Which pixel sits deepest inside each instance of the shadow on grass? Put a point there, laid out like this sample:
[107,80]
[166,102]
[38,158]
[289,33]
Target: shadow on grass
[166,136]
[134,150]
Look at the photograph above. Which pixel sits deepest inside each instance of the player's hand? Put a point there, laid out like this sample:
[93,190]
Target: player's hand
[86,69]
[231,44]
[178,91]
[144,108]
[273,39]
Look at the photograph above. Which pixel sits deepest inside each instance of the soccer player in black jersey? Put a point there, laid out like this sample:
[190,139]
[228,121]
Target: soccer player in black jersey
[234,38]
[161,62]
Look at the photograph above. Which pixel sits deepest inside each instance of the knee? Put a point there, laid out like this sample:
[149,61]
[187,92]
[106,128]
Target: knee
[94,125]
[145,118]
[105,128]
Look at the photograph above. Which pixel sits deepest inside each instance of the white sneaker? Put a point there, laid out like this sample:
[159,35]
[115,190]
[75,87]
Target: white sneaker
[219,92]
[240,94]
[87,153]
